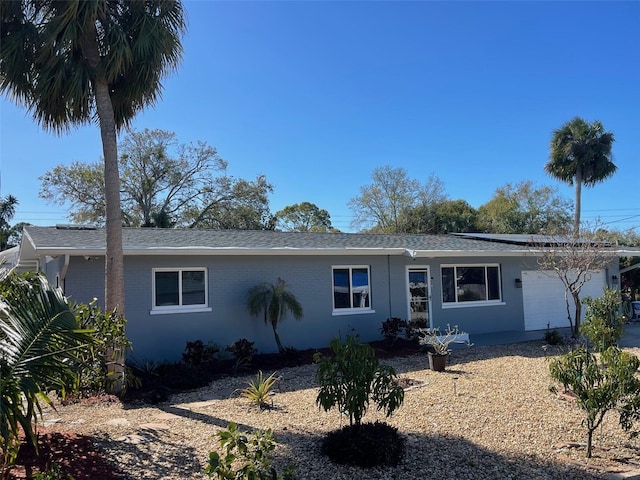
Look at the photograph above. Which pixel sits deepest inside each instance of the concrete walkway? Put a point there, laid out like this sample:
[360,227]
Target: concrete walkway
[631,336]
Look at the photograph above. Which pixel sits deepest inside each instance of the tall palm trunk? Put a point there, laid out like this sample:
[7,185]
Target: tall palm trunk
[114,262]
[576,215]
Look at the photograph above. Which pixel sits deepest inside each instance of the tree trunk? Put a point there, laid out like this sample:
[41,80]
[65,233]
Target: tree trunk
[578,206]
[589,442]
[114,261]
[576,323]
[274,325]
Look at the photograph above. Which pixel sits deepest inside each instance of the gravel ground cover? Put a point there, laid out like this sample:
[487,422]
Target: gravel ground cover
[489,416]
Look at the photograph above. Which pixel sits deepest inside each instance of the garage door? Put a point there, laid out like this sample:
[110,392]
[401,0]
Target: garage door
[543,295]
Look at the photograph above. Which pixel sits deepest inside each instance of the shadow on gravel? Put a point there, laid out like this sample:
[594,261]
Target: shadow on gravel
[426,456]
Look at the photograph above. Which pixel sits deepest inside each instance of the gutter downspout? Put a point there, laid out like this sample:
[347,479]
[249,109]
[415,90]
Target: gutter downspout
[63,272]
[389,282]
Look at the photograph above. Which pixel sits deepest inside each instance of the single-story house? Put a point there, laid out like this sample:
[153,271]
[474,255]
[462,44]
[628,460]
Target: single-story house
[183,285]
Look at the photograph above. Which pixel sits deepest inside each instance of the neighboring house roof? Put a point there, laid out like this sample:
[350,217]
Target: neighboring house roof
[9,257]
[38,242]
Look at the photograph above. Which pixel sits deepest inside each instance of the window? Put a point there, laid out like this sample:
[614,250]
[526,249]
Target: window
[351,291]
[178,289]
[470,283]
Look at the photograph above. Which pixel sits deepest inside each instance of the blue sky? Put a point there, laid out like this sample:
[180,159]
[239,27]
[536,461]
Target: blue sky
[315,95]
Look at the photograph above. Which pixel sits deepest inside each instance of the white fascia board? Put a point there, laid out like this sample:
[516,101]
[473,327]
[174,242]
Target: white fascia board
[202,251]
[471,253]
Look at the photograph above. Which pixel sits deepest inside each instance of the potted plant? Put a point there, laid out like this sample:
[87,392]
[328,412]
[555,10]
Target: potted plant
[439,343]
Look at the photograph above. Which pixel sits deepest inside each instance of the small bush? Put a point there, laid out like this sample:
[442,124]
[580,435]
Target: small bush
[260,389]
[392,328]
[352,376]
[245,457]
[243,352]
[414,327]
[366,445]
[603,324]
[197,353]
[553,337]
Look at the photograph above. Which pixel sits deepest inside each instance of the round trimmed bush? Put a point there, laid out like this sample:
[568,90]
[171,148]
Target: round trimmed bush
[365,445]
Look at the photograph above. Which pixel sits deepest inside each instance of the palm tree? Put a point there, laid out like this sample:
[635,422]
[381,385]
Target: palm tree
[71,63]
[7,211]
[275,301]
[39,338]
[580,154]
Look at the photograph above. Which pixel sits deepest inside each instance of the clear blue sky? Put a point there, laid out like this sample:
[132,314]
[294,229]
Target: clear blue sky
[315,95]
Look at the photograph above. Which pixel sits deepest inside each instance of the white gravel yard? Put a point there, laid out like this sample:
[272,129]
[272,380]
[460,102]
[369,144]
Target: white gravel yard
[489,416]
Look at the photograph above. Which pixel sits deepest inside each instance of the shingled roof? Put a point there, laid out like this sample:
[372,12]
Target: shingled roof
[77,240]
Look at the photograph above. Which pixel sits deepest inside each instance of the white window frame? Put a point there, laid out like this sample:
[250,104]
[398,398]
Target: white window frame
[352,310]
[160,310]
[472,303]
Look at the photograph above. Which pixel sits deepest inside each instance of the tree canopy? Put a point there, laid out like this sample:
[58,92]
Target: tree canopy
[303,217]
[580,154]
[71,63]
[525,208]
[446,216]
[391,195]
[163,184]
[7,211]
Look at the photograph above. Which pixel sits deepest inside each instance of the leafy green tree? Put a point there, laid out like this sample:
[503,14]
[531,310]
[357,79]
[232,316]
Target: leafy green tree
[235,204]
[382,204]
[303,217]
[352,376]
[580,154]
[40,344]
[447,216]
[274,301]
[7,211]
[163,184]
[599,384]
[524,208]
[71,63]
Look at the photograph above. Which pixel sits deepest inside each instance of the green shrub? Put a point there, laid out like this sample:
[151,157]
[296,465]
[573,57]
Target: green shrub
[553,337]
[603,324]
[243,352]
[198,353]
[53,472]
[352,377]
[245,456]
[260,389]
[366,445]
[392,328]
[108,350]
[599,384]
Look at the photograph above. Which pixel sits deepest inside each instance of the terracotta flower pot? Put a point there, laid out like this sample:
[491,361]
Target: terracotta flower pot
[437,361]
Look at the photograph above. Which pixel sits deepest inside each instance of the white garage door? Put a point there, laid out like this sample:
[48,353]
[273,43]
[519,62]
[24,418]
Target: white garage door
[543,295]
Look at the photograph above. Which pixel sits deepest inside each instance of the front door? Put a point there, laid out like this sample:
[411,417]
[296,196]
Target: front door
[419,296]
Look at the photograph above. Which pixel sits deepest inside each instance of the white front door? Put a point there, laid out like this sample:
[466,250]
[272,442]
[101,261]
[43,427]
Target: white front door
[419,295]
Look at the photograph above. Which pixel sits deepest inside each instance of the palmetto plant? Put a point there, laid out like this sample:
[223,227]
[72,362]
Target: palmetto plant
[39,343]
[275,301]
